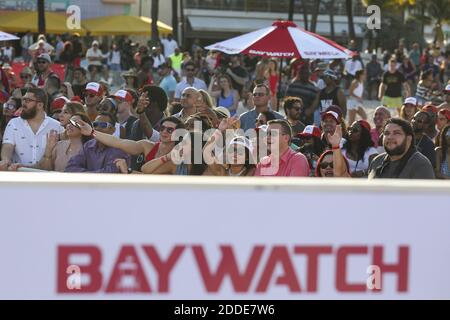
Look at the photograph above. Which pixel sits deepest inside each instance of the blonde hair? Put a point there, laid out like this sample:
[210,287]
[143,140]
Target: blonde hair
[206,98]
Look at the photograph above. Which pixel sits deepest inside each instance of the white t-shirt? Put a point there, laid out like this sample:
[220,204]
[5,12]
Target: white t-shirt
[94,54]
[352,66]
[169,46]
[361,164]
[29,147]
[158,60]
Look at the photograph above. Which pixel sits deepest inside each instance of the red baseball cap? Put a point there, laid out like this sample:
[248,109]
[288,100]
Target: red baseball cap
[430,108]
[310,131]
[95,88]
[365,124]
[58,103]
[123,95]
[331,114]
[446,113]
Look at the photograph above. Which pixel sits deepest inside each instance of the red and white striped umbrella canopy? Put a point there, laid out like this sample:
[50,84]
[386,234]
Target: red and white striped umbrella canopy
[283,40]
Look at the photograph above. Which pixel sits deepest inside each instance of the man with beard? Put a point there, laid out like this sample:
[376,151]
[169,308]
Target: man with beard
[401,159]
[420,122]
[25,137]
[43,71]
[293,107]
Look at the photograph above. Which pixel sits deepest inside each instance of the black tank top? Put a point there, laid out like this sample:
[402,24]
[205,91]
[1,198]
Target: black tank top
[328,98]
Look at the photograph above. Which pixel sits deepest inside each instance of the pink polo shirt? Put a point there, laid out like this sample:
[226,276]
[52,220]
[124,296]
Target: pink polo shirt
[291,164]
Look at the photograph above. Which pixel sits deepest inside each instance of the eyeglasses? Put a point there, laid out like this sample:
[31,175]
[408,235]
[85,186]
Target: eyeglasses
[26,100]
[169,130]
[102,125]
[259,94]
[324,165]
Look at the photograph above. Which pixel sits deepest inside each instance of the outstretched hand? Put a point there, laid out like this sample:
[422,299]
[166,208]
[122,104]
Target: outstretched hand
[336,137]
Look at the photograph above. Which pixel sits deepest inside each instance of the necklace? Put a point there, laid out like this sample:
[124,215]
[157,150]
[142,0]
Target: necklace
[235,174]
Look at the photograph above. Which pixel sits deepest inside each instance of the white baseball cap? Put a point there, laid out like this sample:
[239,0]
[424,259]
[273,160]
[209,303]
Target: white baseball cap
[411,100]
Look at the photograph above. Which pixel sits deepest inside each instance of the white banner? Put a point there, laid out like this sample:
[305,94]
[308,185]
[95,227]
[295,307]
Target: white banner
[86,236]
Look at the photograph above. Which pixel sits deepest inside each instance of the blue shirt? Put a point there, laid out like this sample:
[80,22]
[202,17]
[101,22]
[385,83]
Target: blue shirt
[93,158]
[168,84]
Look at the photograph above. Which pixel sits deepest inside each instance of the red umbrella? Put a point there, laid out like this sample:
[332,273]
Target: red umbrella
[283,40]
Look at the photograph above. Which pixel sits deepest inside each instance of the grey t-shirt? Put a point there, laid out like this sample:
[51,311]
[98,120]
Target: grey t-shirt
[417,167]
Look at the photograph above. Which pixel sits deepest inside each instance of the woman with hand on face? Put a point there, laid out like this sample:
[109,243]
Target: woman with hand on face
[235,159]
[57,153]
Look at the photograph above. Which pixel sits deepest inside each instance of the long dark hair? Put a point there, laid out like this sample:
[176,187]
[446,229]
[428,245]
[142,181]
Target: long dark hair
[86,119]
[365,142]
[197,169]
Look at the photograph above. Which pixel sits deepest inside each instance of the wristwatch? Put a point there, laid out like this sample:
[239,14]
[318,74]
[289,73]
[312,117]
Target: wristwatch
[129,170]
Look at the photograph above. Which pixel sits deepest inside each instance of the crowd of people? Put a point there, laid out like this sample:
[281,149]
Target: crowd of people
[161,110]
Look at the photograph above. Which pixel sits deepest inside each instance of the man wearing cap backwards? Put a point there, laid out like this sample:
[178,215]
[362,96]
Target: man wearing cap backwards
[401,159]
[126,119]
[420,122]
[93,95]
[261,98]
[43,71]
[25,137]
[380,116]
[330,95]
[390,90]
[282,161]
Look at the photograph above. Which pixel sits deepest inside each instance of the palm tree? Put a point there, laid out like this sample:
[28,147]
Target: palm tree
[331,11]
[175,19]
[305,14]
[351,27]
[314,15]
[291,10]
[154,14]
[41,16]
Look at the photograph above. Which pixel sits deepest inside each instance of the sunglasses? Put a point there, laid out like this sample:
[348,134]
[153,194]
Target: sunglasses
[42,61]
[73,123]
[102,125]
[190,70]
[324,165]
[259,94]
[169,130]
